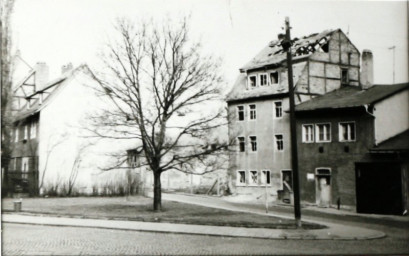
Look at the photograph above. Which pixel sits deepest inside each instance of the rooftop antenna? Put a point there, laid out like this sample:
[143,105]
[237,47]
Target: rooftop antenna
[393,49]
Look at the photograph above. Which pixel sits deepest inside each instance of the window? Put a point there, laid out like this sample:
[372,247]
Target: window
[24,168]
[344,76]
[307,133]
[253,143]
[242,144]
[16,134]
[26,131]
[241,178]
[265,177]
[347,131]
[278,109]
[274,77]
[323,132]
[253,178]
[240,113]
[33,130]
[279,142]
[252,81]
[252,110]
[263,79]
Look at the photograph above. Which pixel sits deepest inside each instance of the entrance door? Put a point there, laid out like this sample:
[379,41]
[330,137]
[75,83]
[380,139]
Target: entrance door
[323,187]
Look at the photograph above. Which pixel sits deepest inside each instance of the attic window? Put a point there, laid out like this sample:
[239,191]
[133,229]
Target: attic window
[252,81]
[325,47]
[263,79]
[274,77]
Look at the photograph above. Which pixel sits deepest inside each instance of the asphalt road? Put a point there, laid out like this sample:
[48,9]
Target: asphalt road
[22,239]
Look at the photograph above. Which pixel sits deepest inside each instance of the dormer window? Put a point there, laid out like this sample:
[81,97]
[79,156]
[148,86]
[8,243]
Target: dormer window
[252,81]
[263,79]
[274,77]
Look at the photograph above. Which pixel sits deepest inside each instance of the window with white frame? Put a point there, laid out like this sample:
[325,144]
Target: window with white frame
[347,131]
[252,81]
[240,113]
[16,134]
[26,131]
[323,132]
[253,178]
[242,144]
[263,79]
[278,109]
[265,177]
[252,112]
[253,143]
[307,133]
[274,77]
[241,178]
[279,142]
[33,130]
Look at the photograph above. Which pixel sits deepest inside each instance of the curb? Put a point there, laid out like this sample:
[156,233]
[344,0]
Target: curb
[260,233]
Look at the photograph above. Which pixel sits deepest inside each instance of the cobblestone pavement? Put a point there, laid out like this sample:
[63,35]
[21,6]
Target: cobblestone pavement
[20,239]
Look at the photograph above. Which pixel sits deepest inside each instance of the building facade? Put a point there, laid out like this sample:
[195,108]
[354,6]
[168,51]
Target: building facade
[340,139]
[51,152]
[141,178]
[258,102]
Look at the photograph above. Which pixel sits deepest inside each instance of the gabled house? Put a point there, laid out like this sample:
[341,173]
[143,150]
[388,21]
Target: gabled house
[51,153]
[322,63]
[353,149]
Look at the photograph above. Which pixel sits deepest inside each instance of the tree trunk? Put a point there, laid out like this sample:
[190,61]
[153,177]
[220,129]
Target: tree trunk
[157,192]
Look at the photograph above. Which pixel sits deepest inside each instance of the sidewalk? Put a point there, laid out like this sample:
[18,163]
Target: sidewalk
[334,231]
[275,209]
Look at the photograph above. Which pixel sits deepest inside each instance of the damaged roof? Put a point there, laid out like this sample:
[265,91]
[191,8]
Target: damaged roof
[351,96]
[273,53]
[56,85]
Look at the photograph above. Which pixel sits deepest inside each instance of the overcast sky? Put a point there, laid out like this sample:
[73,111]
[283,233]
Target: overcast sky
[58,32]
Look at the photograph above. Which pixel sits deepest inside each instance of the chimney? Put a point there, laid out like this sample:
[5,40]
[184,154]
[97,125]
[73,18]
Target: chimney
[42,73]
[66,68]
[366,69]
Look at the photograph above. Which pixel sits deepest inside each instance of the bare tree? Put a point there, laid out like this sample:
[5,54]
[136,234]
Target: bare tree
[6,7]
[164,90]
[52,144]
[76,165]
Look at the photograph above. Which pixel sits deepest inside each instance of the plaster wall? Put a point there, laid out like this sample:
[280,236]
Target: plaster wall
[62,137]
[392,116]
[266,157]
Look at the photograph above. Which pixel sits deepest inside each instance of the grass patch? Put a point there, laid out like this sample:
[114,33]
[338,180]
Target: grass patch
[139,208]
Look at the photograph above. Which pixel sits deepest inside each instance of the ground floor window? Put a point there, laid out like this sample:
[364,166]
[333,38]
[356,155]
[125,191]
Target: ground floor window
[265,177]
[253,178]
[241,178]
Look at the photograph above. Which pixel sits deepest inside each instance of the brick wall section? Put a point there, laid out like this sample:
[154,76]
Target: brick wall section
[341,163]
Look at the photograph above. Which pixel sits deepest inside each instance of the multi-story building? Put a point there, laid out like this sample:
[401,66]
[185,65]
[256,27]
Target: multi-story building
[50,150]
[258,102]
[353,149]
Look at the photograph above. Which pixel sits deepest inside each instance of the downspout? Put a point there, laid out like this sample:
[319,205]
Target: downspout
[367,106]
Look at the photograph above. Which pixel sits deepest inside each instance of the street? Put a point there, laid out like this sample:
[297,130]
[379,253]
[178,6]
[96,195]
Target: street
[21,239]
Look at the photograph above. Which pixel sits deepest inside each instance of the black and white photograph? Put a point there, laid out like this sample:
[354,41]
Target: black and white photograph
[204,127]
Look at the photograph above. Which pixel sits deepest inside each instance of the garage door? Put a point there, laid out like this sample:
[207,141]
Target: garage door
[379,188]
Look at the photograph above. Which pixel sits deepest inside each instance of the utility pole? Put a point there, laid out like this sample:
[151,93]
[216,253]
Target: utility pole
[286,44]
[393,49]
